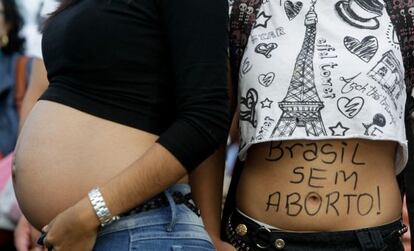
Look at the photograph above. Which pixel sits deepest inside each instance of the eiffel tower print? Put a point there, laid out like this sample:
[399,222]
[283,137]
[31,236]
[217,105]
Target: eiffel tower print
[301,107]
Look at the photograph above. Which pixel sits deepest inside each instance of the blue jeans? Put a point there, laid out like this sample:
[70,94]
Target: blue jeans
[172,228]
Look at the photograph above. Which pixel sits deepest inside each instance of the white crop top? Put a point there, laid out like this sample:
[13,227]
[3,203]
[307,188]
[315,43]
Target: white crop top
[322,69]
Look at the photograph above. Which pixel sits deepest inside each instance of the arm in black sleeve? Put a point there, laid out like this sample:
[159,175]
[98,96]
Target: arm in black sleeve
[197,35]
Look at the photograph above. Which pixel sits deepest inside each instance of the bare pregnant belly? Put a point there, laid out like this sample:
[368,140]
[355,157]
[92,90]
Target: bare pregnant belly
[62,153]
[320,185]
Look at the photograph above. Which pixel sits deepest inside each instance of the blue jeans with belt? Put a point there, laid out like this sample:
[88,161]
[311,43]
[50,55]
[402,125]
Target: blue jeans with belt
[171,228]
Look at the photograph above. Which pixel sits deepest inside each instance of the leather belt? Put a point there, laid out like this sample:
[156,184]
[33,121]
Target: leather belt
[161,200]
[245,234]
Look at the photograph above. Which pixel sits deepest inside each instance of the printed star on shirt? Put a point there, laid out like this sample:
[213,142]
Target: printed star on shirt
[267,103]
[338,130]
[262,20]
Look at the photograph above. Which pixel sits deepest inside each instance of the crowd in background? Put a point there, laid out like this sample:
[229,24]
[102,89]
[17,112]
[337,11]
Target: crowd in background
[20,43]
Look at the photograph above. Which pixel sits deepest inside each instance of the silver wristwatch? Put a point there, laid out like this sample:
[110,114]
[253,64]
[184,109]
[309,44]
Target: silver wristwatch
[101,210]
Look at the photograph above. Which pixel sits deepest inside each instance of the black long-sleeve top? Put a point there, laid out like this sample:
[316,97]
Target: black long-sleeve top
[156,65]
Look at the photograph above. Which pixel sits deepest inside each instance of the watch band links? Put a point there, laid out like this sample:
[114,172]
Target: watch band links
[102,212]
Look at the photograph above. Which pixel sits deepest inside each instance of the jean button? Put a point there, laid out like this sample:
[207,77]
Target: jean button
[279,243]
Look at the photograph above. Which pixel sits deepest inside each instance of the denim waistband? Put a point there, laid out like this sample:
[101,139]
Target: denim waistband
[169,216]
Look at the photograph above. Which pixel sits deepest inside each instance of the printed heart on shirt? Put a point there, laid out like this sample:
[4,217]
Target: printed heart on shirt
[350,107]
[265,49]
[292,9]
[266,79]
[365,49]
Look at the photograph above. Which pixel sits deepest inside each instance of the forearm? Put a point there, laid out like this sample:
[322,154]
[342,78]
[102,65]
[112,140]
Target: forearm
[149,175]
[207,189]
[207,180]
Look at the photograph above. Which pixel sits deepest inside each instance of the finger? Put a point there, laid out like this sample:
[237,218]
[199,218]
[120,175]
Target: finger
[34,236]
[38,249]
[22,244]
[22,240]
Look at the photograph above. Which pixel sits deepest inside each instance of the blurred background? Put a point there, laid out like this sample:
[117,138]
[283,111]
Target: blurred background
[34,12]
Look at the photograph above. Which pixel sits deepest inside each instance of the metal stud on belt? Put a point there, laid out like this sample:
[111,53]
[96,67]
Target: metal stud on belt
[241,230]
[279,243]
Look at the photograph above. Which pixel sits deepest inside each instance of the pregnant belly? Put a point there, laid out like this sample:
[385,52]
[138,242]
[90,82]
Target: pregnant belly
[62,153]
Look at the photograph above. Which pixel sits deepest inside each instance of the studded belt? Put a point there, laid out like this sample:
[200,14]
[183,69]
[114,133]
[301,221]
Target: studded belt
[161,200]
[242,232]
[247,235]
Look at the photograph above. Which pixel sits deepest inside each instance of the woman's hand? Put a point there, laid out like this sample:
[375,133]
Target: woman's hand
[73,229]
[25,236]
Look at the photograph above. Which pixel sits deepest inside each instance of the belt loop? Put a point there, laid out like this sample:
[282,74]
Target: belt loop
[173,207]
[377,240]
[364,240]
[370,240]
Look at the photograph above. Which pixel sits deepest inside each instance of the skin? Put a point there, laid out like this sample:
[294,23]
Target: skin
[207,186]
[62,190]
[61,155]
[265,174]
[63,201]
[80,219]
[26,235]
[138,170]
[310,188]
